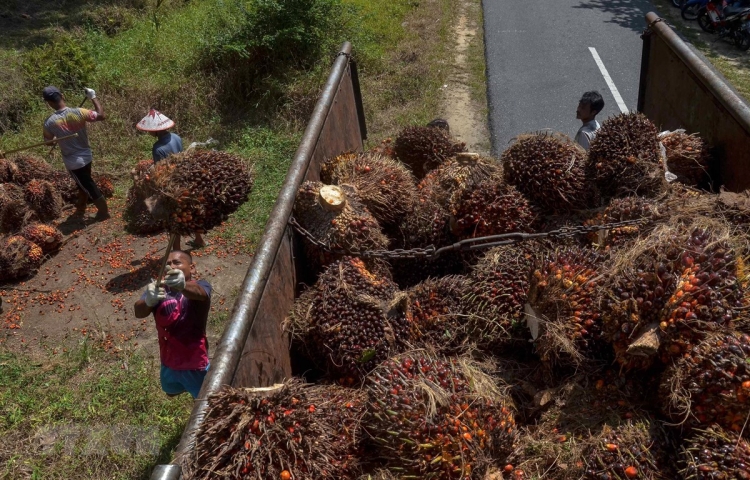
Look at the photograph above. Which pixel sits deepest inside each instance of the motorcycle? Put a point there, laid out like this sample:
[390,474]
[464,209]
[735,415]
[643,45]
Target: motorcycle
[732,22]
[689,9]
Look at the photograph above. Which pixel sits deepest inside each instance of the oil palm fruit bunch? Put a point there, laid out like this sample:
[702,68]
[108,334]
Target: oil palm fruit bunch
[637,449]
[447,183]
[550,170]
[710,383]
[351,319]
[424,148]
[19,257]
[384,185]
[288,431]
[44,199]
[688,157]
[14,211]
[715,454]
[336,216]
[48,237]
[138,218]
[328,167]
[619,210]
[203,189]
[380,474]
[563,297]
[8,170]
[105,184]
[669,291]
[65,184]
[624,157]
[444,416]
[492,208]
[438,320]
[499,287]
[30,168]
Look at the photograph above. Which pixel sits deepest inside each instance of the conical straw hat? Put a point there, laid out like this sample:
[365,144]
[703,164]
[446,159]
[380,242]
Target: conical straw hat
[155,121]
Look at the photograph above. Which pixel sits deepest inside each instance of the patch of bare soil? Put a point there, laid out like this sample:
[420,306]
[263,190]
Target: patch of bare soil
[87,290]
[465,115]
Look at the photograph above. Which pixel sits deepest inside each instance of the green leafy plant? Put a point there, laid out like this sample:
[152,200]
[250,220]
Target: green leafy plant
[64,62]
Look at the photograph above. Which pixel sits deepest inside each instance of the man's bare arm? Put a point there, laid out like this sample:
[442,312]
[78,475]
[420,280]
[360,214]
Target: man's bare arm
[141,309]
[193,291]
[98,109]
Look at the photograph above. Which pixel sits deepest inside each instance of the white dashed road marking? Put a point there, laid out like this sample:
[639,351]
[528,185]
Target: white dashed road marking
[608,79]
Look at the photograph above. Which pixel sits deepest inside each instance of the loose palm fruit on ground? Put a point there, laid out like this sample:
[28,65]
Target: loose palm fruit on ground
[669,291]
[550,170]
[44,199]
[444,416]
[351,320]
[563,298]
[424,148]
[48,237]
[715,454]
[30,168]
[710,383]
[624,158]
[336,216]
[384,185]
[19,258]
[688,157]
[294,430]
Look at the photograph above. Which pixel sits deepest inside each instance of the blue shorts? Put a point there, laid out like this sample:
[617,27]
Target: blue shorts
[175,382]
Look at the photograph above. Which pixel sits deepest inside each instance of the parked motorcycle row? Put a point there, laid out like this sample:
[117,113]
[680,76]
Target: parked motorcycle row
[726,18]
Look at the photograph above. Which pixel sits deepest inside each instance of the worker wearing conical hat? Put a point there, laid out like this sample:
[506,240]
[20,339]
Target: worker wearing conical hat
[167,143]
[158,125]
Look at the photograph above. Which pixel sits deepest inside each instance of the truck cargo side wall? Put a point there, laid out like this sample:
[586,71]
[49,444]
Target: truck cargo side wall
[265,357]
[679,90]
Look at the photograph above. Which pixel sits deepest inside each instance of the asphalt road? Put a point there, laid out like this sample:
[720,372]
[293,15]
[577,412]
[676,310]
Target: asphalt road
[539,61]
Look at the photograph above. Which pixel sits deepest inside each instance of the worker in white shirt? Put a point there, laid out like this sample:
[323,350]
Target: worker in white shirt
[589,106]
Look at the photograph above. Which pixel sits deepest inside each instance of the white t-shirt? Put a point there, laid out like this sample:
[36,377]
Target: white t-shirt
[587,133]
[76,152]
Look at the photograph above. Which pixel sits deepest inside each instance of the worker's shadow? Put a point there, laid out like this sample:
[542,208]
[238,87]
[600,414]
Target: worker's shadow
[135,280]
[72,224]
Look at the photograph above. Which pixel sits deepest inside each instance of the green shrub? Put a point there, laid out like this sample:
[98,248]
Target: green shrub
[274,36]
[64,62]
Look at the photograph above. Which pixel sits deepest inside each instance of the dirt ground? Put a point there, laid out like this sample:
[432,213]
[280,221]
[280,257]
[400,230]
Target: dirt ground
[466,115]
[87,290]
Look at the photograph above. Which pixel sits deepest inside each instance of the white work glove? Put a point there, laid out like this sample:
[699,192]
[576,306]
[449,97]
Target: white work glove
[90,93]
[154,295]
[175,280]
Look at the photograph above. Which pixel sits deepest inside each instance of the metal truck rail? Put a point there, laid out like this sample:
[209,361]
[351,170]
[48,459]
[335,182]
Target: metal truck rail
[677,89]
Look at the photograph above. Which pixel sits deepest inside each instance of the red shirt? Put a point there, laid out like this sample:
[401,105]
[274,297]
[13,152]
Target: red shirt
[181,324]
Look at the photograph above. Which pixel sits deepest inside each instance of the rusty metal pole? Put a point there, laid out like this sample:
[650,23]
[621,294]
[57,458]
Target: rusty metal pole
[240,323]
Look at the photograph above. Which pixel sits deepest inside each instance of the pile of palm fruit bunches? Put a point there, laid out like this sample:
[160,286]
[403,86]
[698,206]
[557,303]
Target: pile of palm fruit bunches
[622,353]
[32,198]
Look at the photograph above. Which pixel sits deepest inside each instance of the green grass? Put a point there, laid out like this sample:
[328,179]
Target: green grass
[57,407]
[401,69]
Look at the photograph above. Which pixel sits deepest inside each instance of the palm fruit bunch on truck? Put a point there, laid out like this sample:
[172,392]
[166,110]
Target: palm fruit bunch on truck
[563,299]
[438,319]
[424,148]
[619,210]
[384,185]
[710,383]
[445,417]
[671,289]
[688,157]
[447,183]
[288,431]
[550,170]
[199,189]
[336,217]
[715,453]
[624,158]
[351,320]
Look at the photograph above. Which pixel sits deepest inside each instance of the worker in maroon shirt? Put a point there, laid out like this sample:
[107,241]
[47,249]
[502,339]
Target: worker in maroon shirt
[180,308]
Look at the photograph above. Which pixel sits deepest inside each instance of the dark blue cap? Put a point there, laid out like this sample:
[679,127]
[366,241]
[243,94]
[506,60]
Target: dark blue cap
[51,93]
